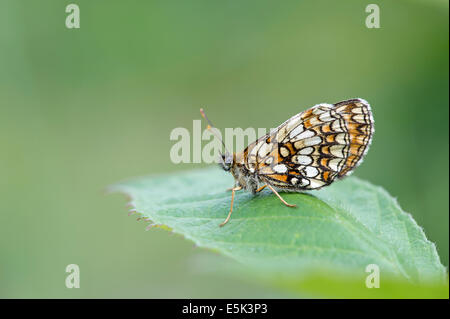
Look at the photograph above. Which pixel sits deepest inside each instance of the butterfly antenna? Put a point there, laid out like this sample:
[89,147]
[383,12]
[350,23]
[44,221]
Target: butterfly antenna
[210,127]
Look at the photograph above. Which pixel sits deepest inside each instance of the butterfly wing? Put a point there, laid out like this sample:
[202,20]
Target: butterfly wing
[313,148]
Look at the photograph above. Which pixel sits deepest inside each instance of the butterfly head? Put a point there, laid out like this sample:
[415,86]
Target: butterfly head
[226,161]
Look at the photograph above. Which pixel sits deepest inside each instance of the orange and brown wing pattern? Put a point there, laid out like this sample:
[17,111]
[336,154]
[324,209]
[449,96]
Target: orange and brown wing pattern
[313,148]
[358,116]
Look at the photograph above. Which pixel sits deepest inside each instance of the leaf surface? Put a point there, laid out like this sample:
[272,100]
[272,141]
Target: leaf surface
[341,228]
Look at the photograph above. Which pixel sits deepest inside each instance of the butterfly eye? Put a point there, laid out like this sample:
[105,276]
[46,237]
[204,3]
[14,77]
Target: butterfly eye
[226,161]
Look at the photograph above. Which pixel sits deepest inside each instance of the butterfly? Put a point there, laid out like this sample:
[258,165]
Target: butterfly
[307,152]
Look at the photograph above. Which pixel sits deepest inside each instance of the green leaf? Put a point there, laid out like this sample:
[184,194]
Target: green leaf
[332,233]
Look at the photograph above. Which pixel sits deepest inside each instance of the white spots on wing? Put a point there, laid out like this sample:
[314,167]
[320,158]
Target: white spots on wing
[311,171]
[357,110]
[313,121]
[304,135]
[360,118]
[255,149]
[306,151]
[318,110]
[326,117]
[299,144]
[304,182]
[281,134]
[312,141]
[293,122]
[316,183]
[308,142]
[321,108]
[280,168]
[337,150]
[302,159]
[336,126]
[296,131]
[264,149]
[294,180]
[251,160]
[340,138]
[335,163]
[269,160]
[284,151]
[341,108]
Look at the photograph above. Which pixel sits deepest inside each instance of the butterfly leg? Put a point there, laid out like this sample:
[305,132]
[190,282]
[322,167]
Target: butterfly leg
[261,188]
[233,190]
[276,193]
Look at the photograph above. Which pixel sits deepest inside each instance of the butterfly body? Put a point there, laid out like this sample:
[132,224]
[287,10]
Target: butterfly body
[242,176]
[307,152]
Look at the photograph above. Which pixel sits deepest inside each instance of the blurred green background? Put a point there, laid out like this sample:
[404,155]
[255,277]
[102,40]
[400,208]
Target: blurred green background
[82,109]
